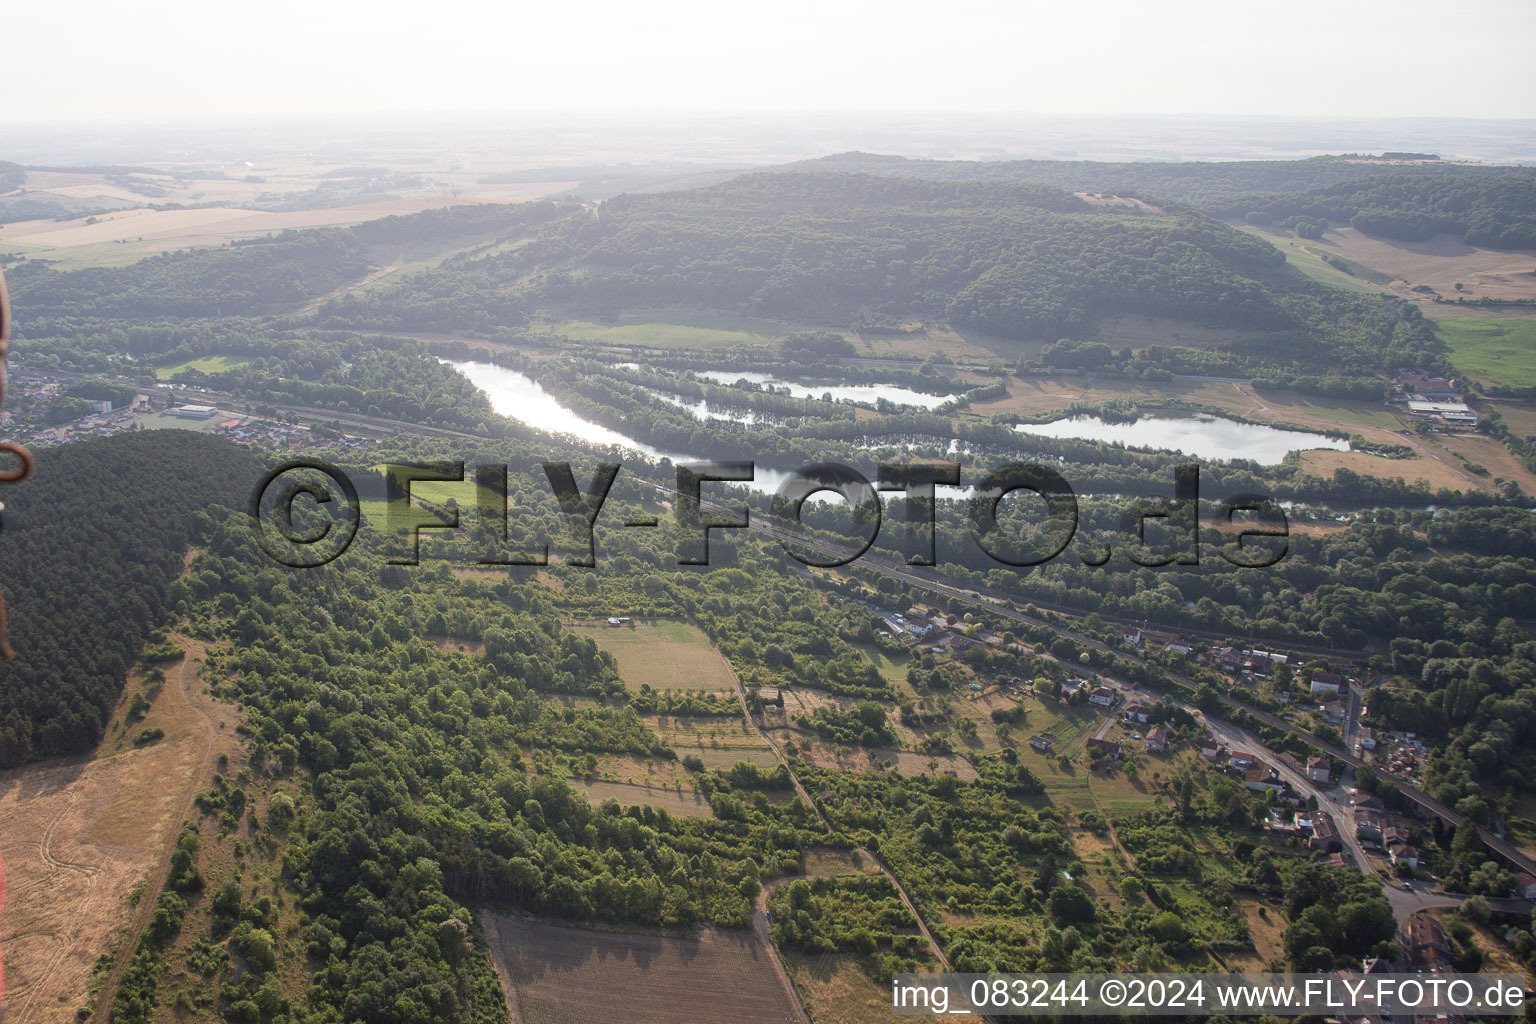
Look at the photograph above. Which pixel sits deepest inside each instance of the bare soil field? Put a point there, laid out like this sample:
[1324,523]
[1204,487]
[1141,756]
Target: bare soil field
[557,975]
[686,802]
[1105,199]
[663,655]
[77,836]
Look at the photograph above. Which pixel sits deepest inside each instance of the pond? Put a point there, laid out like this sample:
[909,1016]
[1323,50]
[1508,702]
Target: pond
[1205,437]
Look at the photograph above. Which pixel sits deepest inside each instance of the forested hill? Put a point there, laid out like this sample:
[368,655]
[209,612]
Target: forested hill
[91,546]
[1213,186]
[253,278]
[1495,210]
[1013,260]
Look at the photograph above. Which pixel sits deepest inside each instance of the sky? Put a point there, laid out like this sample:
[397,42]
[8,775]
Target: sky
[104,60]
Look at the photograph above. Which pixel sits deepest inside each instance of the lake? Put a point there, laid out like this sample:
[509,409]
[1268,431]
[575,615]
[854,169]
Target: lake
[1205,437]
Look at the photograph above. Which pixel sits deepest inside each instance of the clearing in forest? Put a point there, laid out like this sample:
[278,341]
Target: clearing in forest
[665,655]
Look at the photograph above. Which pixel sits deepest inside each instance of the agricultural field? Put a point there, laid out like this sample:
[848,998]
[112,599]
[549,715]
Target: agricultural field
[1497,351]
[663,655]
[78,837]
[557,975]
[1494,457]
[1366,264]
[675,799]
[123,236]
[1433,465]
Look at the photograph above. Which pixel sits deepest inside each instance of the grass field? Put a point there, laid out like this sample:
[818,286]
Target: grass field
[558,975]
[1497,351]
[696,331]
[684,802]
[726,757]
[205,364]
[663,655]
[836,988]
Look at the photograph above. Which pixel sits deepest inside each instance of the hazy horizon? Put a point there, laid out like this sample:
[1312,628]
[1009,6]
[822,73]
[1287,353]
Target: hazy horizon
[1113,58]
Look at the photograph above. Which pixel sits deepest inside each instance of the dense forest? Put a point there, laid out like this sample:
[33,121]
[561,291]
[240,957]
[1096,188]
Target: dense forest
[1497,211]
[1011,260]
[92,544]
[1489,205]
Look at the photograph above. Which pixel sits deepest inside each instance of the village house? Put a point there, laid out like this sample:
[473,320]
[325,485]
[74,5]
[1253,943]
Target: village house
[1333,712]
[1325,835]
[1109,748]
[1405,854]
[1525,886]
[1228,659]
[1371,828]
[1210,749]
[1042,743]
[1423,944]
[1103,696]
[1156,741]
[1326,682]
[1320,769]
[1260,778]
[1139,713]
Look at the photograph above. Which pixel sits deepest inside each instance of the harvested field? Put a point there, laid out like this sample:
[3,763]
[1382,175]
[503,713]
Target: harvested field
[77,836]
[123,236]
[663,655]
[1435,467]
[685,802]
[558,975]
[1491,455]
